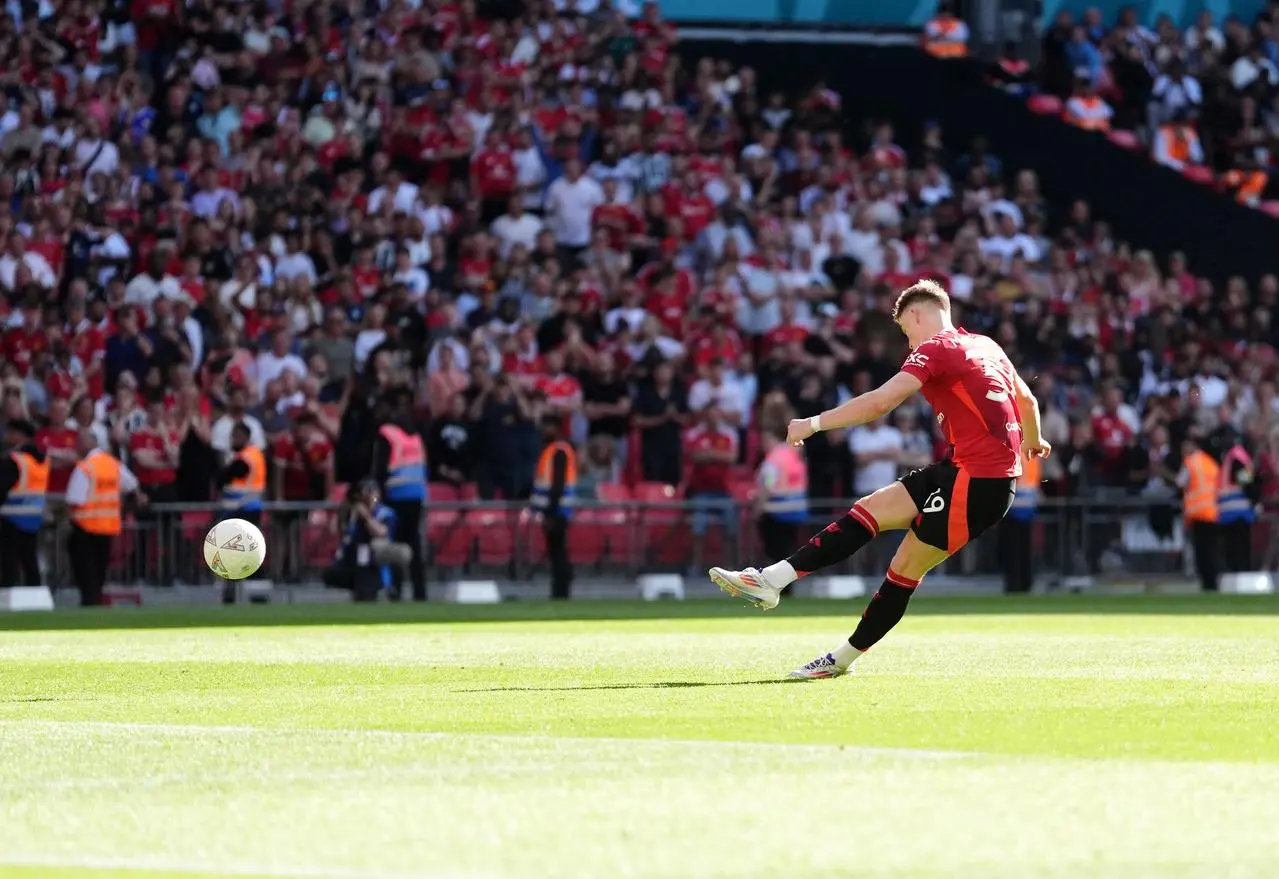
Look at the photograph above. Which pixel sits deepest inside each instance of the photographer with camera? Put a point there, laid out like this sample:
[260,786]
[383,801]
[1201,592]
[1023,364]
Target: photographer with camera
[366,556]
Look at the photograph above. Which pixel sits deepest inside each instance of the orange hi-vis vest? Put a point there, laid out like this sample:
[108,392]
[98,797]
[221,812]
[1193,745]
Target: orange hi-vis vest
[1091,113]
[1026,500]
[24,507]
[1179,142]
[246,493]
[1199,501]
[545,474]
[100,513]
[406,467]
[946,37]
[784,480]
[1248,185]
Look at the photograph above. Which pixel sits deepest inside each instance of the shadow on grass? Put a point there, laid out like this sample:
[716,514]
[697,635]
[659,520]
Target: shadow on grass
[217,616]
[655,685]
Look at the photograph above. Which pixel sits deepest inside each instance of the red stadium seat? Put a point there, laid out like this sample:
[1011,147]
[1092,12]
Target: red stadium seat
[195,525]
[613,493]
[337,494]
[1198,174]
[448,536]
[443,492]
[1125,139]
[587,538]
[1045,105]
[468,492]
[654,492]
[494,534]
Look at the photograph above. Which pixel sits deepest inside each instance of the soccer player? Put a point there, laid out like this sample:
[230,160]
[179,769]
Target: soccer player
[991,420]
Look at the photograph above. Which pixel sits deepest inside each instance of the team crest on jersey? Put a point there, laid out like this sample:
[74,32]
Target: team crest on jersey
[941,416]
[236,543]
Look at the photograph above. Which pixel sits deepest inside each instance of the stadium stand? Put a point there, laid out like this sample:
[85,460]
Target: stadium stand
[504,212]
[1200,100]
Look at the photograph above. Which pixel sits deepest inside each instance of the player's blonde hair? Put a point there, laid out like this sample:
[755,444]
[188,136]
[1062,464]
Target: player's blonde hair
[920,293]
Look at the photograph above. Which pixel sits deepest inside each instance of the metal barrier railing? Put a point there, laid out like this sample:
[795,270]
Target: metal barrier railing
[1076,537]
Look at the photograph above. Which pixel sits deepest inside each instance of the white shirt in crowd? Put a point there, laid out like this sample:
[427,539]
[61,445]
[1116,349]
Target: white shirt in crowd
[293,265]
[872,439]
[220,433]
[41,271]
[403,199]
[530,174]
[1006,248]
[631,317]
[510,231]
[144,290]
[271,366]
[727,396]
[415,280]
[78,486]
[91,160]
[569,205]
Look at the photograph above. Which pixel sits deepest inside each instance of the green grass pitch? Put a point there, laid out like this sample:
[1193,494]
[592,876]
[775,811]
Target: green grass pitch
[1060,737]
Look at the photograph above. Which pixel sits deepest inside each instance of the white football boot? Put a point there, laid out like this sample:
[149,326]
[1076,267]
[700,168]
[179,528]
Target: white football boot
[821,667]
[749,585]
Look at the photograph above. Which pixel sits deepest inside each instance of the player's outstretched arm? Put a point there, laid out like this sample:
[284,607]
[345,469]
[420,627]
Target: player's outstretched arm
[857,411]
[1032,439]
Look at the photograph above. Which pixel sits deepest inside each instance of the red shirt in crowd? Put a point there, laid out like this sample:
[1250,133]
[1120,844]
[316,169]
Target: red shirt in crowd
[297,462]
[710,476]
[64,437]
[620,221]
[494,173]
[20,344]
[1111,434]
[782,335]
[148,438]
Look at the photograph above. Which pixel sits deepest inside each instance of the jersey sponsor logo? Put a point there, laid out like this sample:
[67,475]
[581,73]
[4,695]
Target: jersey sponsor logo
[935,502]
[1011,426]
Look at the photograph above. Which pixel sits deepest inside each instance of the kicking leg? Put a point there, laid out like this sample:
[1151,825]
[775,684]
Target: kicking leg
[888,509]
[913,560]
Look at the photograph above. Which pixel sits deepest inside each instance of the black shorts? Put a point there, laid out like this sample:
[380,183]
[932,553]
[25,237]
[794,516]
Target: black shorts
[955,508]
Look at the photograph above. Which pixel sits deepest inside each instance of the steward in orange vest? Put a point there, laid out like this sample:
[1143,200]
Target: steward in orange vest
[94,495]
[244,478]
[24,480]
[782,486]
[1200,479]
[945,36]
[399,463]
[554,493]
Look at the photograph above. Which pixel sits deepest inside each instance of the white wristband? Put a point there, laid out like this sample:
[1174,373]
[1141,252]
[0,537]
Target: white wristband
[815,423]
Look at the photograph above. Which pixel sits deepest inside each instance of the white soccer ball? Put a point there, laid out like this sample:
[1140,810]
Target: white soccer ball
[234,549]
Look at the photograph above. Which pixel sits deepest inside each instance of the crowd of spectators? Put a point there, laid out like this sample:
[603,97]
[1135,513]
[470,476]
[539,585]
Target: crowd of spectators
[1204,100]
[218,213]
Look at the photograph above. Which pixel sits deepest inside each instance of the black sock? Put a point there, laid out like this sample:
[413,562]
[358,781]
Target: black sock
[836,542]
[885,610]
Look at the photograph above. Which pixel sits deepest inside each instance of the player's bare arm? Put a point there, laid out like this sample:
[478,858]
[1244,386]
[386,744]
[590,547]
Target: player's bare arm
[860,410]
[1033,444]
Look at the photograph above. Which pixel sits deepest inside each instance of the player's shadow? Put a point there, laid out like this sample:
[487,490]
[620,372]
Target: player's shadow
[652,685]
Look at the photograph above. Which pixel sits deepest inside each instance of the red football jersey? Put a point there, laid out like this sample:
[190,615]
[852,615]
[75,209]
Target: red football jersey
[969,382]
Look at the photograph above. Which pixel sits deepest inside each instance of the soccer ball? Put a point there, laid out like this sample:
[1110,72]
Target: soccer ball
[234,549]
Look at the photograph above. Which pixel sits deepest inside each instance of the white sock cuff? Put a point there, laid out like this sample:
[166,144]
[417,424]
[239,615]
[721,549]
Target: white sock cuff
[780,574]
[845,653]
